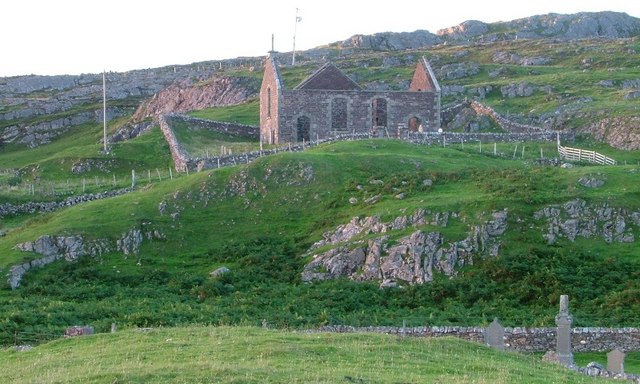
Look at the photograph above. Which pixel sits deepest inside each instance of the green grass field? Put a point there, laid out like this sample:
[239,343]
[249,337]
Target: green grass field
[253,355]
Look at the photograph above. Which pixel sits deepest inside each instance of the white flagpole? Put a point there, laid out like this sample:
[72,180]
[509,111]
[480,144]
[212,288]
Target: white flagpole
[295,30]
[104,109]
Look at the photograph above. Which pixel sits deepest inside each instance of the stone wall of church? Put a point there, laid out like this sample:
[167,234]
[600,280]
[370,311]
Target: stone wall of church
[317,106]
[269,104]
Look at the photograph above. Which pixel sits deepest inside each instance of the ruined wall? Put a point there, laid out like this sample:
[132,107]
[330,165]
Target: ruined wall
[316,104]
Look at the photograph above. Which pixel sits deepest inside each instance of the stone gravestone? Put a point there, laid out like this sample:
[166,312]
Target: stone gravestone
[615,361]
[563,333]
[494,335]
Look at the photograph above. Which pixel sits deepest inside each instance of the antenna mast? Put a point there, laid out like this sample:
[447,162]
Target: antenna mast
[295,30]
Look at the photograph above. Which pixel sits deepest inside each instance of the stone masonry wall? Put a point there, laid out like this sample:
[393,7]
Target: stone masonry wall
[220,126]
[316,104]
[445,138]
[179,155]
[519,339]
[480,109]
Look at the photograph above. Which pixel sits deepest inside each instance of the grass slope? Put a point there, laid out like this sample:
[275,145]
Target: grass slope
[252,355]
[258,220]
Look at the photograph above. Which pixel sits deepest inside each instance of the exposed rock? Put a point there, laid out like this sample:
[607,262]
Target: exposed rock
[464,30]
[400,196]
[619,132]
[388,41]
[605,83]
[411,259]
[631,84]
[188,95]
[577,219]
[373,199]
[71,248]
[502,57]
[632,95]
[219,272]
[517,90]
[353,200]
[591,182]
[53,248]
[458,71]
[427,182]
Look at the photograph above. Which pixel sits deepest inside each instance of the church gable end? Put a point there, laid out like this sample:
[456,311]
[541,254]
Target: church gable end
[423,78]
[329,77]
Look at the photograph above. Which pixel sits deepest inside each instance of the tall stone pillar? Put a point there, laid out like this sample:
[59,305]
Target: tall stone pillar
[563,333]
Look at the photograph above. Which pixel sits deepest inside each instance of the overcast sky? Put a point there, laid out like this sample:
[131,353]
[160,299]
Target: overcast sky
[49,37]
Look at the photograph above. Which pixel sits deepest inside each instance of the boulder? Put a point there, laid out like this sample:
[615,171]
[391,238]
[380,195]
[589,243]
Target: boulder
[219,272]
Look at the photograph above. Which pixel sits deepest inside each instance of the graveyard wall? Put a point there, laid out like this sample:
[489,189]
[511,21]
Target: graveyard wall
[519,339]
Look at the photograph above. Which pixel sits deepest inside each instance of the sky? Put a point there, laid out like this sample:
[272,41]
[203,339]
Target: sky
[50,37]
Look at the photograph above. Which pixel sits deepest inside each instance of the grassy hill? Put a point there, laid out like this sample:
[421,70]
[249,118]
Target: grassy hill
[252,355]
[259,219]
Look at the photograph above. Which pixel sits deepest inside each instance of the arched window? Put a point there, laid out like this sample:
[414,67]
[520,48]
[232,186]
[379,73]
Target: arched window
[339,113]
[303,127]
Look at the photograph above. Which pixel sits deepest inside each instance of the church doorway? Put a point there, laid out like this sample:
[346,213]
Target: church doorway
[379,108]
[303,128]
[414,124]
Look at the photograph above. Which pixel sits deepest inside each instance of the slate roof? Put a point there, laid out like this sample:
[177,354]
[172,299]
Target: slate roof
[329,77]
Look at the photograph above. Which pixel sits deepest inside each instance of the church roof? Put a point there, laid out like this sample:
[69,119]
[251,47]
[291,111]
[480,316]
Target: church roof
[329,77]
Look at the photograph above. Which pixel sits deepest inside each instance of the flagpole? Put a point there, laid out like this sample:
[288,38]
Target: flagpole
[104,110]
[295,30]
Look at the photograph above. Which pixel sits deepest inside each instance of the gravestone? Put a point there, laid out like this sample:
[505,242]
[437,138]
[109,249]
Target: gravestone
[494,335]
[615,361]
[563,333]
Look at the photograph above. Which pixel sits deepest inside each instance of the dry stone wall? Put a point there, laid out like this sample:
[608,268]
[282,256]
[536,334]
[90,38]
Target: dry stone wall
[518,338]
[7,209]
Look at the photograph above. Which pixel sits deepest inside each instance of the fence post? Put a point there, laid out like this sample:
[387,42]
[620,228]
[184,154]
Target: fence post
[158,171]
[170,174]
[83,185]
[495,153]
[133,178]
[149,175]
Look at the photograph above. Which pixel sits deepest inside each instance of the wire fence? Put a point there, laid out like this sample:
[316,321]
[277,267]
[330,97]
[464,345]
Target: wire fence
[41,187]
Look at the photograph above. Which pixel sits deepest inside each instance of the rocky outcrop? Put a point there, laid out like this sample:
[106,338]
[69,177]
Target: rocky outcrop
[611,25]
[619,132]
[390,41]
[71,248]
[412,259]
[187,95]
[577,219]
[54,248]
[465,30]
[458,71]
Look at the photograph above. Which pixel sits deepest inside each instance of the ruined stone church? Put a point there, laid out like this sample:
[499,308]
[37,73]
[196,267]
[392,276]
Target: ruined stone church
[328,103]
